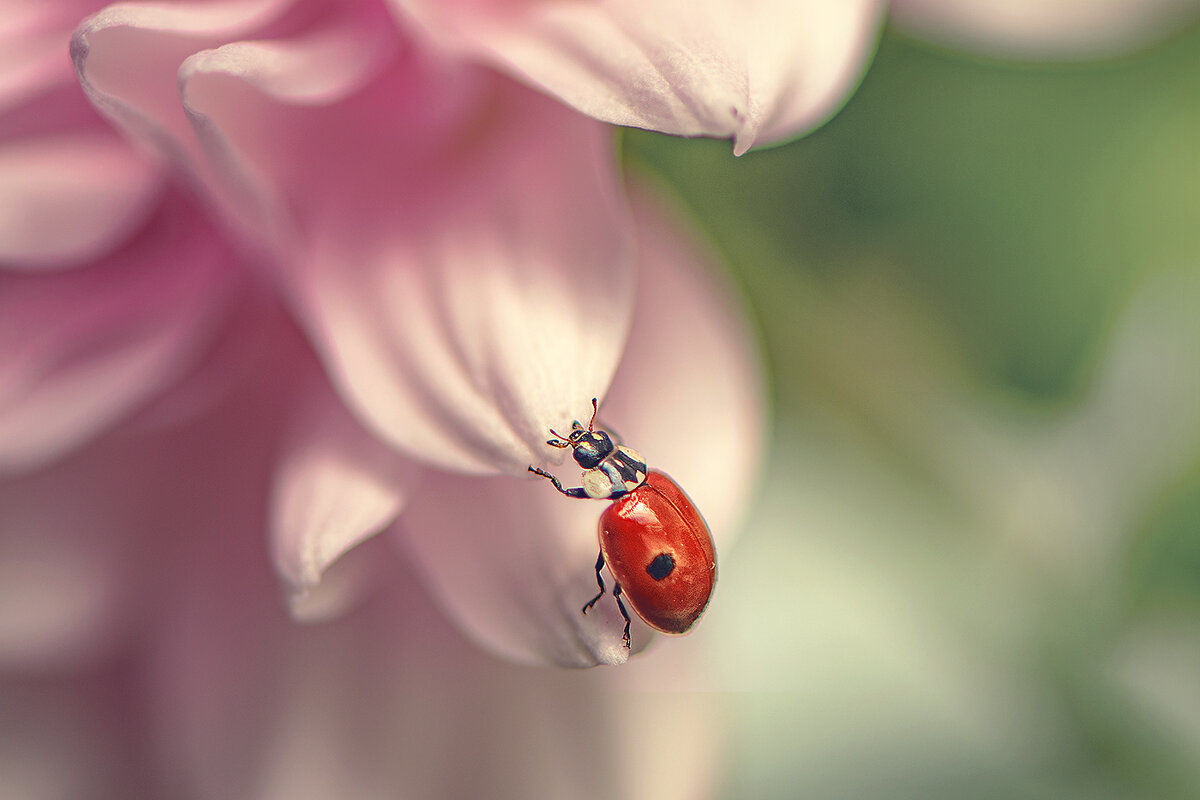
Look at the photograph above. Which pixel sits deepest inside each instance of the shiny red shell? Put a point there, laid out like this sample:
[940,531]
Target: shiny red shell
[654,519]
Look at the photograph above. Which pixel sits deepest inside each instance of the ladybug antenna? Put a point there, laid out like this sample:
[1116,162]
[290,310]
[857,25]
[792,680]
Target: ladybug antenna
[576,430]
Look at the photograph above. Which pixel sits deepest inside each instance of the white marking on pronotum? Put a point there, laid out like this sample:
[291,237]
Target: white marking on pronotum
[596,484]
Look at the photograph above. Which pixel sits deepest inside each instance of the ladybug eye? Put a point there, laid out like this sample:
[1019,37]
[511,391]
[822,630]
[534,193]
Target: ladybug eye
[662,566]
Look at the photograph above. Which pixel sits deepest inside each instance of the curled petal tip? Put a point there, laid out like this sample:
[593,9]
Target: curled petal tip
[335,487]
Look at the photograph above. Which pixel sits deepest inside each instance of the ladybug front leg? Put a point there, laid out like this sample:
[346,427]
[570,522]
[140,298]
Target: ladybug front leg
[576,492]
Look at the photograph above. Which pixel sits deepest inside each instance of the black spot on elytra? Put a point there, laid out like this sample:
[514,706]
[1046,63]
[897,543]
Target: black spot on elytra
[661,566]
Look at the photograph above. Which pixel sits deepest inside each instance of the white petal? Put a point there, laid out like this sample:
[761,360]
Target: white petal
[753,72]
[438,273]
[468,279]
[335,487]
[319,69]
[1044,29]
[512,561]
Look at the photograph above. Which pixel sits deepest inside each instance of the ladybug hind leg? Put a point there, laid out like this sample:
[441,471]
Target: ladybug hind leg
[616,596]
[599,582]
[624,613]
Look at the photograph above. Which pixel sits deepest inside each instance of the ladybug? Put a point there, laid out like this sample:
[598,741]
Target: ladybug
[657,546]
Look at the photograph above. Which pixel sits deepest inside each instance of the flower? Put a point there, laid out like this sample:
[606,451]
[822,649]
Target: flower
[185,675]
[328,282]
[465,284]
[1044,30]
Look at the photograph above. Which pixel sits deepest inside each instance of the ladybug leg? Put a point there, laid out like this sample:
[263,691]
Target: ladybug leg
[599,582]
[624,613]
[576,492]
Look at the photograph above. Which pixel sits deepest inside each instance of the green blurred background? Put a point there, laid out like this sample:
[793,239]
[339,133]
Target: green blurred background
[974,569]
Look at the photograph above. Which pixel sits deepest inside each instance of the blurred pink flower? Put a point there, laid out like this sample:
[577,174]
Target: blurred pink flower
[460,255]
[328,282]
[80,348]
[1044,29]
[146,653]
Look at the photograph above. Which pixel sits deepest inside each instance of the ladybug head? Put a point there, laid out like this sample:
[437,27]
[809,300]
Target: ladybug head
[589,445]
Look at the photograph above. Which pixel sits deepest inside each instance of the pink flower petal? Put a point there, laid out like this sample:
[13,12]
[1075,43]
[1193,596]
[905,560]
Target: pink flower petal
[127,57]
[71,197]
[80,349]
[757,72]
[32,41]
[1044,30]
[392,702]
[64,738]
[435,271]
[73,540]
[456,246]
[70,189]
[140,519]
[335,487]
[267,117]
[511,561]
[61,582]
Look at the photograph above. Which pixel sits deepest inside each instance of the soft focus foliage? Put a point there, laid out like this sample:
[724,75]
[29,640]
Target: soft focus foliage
[1044,29]
[975,569]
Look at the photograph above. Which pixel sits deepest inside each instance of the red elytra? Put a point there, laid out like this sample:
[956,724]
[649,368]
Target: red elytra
[661,552]
[654,542]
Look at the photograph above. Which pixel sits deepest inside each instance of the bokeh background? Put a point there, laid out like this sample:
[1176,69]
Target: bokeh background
[974,567]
